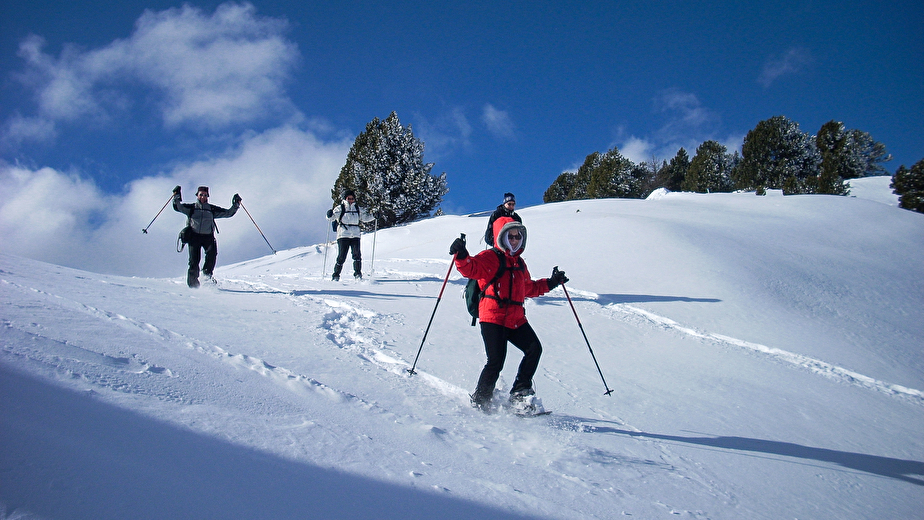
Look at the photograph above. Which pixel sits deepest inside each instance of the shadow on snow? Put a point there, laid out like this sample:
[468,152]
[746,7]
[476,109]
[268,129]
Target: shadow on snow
[68,455]
[910,471]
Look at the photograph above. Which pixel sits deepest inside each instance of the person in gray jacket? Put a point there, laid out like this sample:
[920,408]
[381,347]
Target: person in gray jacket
[200,217]
[348,216]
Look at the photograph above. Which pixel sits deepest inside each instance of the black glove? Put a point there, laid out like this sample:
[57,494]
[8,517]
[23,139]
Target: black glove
[458,248]
[557,278]
[176,191]
[236,199]
[330,213]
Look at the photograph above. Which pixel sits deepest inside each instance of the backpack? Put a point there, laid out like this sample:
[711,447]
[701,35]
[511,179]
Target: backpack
[339,221]
[474,293]
[185,235]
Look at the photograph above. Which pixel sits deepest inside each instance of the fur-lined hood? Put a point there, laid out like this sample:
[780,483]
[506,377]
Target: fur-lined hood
[504,225]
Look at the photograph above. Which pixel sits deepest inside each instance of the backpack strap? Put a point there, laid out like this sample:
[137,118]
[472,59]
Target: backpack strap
[500,271]
[343,210]
[209,209]
[501,267]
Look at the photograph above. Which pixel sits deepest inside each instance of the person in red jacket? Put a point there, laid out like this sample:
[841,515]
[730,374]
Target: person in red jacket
[501,312]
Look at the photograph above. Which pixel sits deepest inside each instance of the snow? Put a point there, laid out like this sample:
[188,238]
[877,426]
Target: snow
[764,355]
[874,188]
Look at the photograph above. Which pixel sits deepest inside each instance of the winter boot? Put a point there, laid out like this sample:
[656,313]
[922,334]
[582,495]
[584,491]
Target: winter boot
[482,401]
[525,402]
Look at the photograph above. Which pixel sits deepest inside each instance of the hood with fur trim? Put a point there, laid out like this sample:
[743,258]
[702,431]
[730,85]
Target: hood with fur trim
[504,225]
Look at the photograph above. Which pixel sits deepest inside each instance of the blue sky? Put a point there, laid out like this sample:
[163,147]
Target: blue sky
[119,101]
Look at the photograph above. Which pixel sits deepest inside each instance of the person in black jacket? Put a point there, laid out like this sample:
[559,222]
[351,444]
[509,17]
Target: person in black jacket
[504,210]
[200,217]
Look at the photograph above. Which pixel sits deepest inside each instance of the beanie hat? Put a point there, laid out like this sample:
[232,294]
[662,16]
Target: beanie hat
[348,193]
[508,197]
[201,189]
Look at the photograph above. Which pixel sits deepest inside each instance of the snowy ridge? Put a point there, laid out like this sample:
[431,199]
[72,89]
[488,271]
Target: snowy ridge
[814,365]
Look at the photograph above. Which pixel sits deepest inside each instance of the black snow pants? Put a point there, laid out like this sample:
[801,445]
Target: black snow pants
[495,346]
[344,245]
[197,243]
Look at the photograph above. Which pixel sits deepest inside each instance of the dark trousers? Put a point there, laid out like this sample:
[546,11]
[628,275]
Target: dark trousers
[344,244]
[495,346]
[197,243]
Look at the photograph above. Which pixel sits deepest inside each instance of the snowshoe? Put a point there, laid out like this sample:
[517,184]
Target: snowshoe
[484,405]
[525,403]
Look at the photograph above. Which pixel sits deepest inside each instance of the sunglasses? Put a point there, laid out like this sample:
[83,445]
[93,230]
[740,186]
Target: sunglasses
[514,237]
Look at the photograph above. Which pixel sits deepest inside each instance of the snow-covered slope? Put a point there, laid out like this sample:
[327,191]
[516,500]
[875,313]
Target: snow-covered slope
[764,352]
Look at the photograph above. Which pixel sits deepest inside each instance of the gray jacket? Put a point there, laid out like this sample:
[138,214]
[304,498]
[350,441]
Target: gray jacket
[201,217]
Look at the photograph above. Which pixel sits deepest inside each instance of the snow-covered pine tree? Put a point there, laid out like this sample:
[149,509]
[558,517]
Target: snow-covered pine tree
[671,176]
[582,178]
[614,176]
[560,188]
[909,186]
[385,168]
[710,169]
[777,155]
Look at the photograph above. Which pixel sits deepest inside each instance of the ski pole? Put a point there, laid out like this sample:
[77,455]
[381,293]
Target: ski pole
[326,249]
[374,233]
[258,228]
[145,230]
[608,391]
[438,298]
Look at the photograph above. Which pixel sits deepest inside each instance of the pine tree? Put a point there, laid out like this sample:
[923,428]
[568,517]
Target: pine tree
[909,186]
[776,154]
[560,188]
[865,155]
[614,176]
[385,169]
[832,143]
[580,188]
[671,176]
[710,170]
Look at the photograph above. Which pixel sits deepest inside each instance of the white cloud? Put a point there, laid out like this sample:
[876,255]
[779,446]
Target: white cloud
[791,62]
[201,70]
[688,123]
[284,176]
[686,115]
[45,214]
[18,129]
[225,68]
[498,122]
[636,150]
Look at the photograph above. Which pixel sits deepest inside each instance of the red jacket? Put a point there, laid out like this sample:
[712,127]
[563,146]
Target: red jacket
[502,303]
